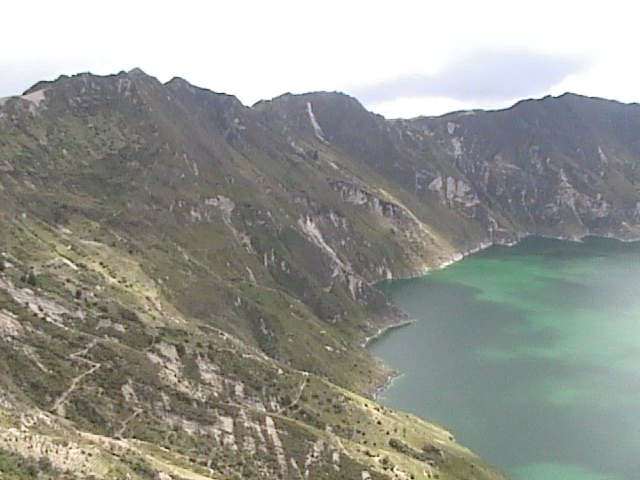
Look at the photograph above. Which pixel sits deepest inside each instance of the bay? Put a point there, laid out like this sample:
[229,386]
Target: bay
[529,354]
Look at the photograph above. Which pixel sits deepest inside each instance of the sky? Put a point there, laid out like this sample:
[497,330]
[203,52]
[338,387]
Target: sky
[400,58]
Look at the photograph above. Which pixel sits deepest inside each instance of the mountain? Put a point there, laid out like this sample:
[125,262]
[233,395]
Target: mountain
[186,283]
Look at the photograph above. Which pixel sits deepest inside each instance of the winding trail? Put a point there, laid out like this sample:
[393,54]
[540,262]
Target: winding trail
[120,432]
[300,392]
[58,405]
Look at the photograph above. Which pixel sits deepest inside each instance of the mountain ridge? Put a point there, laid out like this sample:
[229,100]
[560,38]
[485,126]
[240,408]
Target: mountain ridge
[182,273]
[142,74]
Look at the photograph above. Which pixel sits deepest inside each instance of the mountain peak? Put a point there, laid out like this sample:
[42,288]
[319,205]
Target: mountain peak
[177,270]
[44,84]
[134,74]
[137,71]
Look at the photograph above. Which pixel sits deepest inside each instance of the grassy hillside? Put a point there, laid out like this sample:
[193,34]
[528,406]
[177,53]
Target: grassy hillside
[186,282]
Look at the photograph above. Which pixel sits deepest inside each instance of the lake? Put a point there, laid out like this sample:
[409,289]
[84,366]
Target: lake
[529,354]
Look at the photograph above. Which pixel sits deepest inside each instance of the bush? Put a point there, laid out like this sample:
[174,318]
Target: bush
[30,278]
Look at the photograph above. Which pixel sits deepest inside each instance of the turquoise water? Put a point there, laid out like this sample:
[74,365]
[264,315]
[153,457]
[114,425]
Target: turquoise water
[530,355]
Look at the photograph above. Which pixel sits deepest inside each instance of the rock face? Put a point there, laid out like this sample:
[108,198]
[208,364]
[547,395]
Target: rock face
[562,166]
[181,271]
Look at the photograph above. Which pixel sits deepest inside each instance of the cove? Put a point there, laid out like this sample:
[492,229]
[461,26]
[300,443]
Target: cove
[529,354]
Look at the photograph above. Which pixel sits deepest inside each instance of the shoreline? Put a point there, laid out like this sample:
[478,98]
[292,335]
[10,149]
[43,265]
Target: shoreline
[381,331]
[456,257]
[388,381]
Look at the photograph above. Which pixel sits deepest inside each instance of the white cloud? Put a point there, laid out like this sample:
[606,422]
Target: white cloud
[257,49]
[480,76]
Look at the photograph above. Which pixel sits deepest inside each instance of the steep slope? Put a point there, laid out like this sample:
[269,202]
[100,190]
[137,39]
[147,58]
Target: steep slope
[564,166]
[186,282]
[184,292]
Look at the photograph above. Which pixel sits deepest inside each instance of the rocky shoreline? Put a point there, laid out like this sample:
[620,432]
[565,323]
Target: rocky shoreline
[388,379]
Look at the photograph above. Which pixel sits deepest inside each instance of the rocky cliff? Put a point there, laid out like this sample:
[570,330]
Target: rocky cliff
[186,282]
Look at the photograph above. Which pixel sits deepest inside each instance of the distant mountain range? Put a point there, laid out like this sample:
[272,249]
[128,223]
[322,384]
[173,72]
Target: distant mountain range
[186,282]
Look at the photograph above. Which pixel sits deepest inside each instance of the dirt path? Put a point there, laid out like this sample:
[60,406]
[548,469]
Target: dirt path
[58,405]
[120,432]
[300,392]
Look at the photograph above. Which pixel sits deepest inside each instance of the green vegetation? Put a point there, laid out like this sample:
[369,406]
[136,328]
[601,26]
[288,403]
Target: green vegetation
[186,283]
[15,466]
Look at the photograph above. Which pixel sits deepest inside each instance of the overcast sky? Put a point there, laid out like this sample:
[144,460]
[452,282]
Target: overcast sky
[400,58]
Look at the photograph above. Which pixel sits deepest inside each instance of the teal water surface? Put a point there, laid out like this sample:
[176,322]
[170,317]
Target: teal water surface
[529,354]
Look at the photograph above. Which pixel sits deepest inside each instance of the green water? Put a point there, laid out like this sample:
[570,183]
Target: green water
[530,355]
